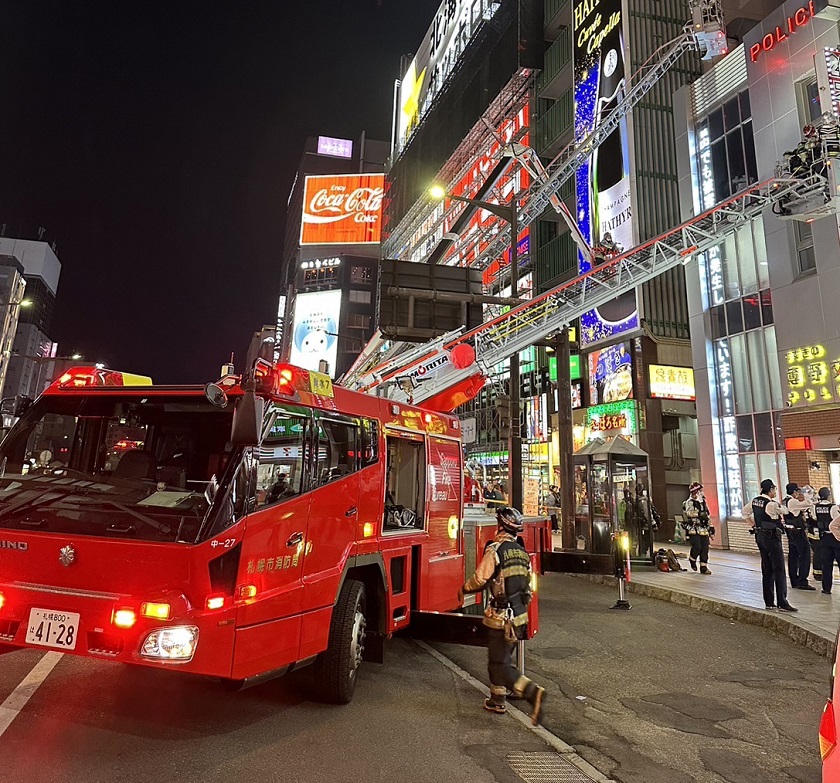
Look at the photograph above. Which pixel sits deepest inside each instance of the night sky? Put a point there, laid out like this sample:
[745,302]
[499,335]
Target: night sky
[156,143]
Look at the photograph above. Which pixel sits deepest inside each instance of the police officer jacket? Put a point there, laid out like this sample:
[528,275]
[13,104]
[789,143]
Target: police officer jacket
[762,509]
[795,518]
[697,517]
[505,570]
[818,528]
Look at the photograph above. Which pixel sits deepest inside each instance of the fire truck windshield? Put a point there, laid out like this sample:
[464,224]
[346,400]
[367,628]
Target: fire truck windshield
[115,465]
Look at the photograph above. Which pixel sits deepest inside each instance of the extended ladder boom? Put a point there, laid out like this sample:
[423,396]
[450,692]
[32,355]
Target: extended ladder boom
[429,375]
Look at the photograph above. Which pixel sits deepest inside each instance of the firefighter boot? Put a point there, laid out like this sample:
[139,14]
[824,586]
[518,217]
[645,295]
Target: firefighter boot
[704,569]
[533,694]
[693,564]
[496,702]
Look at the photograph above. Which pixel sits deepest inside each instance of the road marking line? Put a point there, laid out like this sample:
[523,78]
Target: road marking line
[563,748]
[16,701]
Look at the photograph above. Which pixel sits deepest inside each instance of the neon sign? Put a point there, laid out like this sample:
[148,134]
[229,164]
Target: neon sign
[810,376]
[792,24]
[613,418]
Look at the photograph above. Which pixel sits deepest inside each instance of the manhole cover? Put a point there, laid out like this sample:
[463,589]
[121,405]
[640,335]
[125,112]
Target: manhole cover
[545,767]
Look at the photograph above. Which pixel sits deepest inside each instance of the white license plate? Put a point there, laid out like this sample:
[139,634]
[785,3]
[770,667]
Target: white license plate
[50,628]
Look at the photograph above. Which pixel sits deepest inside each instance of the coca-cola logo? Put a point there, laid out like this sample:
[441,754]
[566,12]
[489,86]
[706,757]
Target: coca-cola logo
[338,202]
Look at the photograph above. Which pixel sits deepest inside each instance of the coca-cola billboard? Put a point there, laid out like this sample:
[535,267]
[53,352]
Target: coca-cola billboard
[342,209]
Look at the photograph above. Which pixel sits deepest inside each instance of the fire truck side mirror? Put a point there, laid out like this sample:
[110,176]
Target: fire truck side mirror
[15,406]
[216,395]
[247,420]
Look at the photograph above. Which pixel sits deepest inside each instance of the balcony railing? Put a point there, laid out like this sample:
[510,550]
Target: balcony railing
[557,57]
[557,120]
[553,7]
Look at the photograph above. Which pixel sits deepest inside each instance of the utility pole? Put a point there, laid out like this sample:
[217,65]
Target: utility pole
[565,439]
[515,439]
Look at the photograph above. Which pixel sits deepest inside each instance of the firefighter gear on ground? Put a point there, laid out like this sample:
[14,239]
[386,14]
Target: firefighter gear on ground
[505,571]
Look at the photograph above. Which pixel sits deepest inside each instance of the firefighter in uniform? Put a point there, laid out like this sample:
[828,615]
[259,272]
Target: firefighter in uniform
[766,513]
[795,510]
[697,527]
[505,570]
[824,512]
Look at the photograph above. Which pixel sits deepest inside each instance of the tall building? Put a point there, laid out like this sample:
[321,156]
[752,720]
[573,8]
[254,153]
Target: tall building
[330,253]
[542,74]
[12,288]
[29,368]
[765,339]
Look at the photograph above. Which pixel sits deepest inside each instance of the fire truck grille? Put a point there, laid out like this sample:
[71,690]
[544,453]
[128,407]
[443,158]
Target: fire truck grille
[8,629]
[545,767]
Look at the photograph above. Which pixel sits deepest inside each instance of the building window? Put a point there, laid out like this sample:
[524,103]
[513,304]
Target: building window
[361,297]
[326,274]
[361,274]
[810,97]
[726,151]
[358,321]
[805,258]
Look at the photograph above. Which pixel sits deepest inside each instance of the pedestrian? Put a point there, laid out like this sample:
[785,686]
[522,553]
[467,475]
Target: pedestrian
[552,502]
[697,527]
[824,510]
[505,571]
[830,543]
[795,510]
[766,513]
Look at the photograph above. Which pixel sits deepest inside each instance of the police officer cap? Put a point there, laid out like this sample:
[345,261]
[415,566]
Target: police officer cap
[792,487]
[694,487]
[767,485]
[510,520]
[824,493]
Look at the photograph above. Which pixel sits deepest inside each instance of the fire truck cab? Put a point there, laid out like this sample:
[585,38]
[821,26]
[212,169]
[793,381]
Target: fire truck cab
[224,531]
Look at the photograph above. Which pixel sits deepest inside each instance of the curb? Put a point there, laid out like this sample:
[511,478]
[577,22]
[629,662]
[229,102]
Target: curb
[814,639]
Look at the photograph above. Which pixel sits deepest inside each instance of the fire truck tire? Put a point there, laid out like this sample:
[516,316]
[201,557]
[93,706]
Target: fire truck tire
[337,668]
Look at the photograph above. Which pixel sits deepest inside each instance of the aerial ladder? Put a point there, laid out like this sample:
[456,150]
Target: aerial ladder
[452,369]
[705,32]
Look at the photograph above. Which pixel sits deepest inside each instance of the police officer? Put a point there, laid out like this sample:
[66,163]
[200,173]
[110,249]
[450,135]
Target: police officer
[505,570]
[795,510]
[767,515]
[697,527]
[830,544]
[824,512]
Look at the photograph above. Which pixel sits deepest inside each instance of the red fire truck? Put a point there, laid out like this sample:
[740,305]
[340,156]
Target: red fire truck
[237,530]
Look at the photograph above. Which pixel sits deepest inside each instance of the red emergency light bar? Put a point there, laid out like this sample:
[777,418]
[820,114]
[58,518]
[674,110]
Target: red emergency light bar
[80,377]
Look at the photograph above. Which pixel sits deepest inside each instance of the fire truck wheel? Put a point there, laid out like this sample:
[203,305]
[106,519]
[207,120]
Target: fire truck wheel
[338,666]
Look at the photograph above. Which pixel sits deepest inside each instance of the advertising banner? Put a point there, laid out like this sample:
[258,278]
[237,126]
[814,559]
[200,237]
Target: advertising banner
[603,182]
[455,24]
[610,374]
[315,331]
[342,209]
[671,383]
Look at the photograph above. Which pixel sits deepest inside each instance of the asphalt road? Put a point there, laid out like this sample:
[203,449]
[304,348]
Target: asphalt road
[666,694]
[411,720]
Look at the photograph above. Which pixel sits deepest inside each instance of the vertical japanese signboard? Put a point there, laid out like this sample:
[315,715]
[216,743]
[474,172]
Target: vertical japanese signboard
[603,182]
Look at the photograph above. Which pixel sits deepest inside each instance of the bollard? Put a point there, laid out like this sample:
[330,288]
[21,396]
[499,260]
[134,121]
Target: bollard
[621,558]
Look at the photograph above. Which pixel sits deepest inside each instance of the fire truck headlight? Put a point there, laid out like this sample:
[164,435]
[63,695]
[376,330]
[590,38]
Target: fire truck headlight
[177,643]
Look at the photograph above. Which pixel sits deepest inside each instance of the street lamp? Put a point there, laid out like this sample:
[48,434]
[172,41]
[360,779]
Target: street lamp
[508,213]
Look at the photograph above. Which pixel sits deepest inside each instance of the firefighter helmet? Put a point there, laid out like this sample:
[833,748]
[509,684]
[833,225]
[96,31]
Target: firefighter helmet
[510,520]
[695,486]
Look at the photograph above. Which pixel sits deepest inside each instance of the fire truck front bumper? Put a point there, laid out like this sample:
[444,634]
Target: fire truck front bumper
[166,632]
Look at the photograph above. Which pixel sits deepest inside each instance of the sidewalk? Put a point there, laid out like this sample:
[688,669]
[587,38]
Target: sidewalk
[733,590]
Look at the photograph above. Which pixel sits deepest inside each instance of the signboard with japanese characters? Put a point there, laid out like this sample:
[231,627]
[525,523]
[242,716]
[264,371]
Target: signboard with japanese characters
[812,378]
[668,382]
